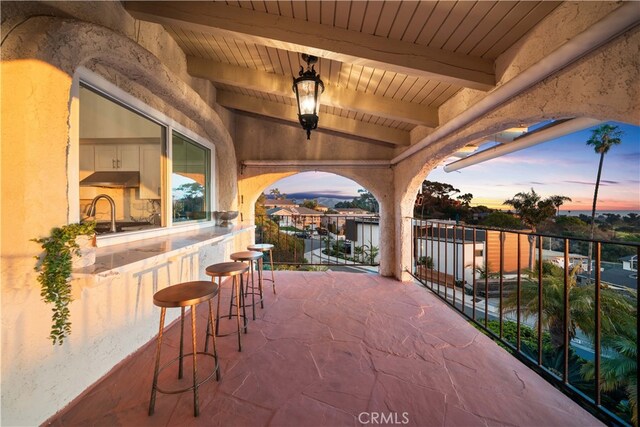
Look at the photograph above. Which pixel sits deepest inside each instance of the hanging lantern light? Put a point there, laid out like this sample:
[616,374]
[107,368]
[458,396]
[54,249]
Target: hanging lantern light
[308,88]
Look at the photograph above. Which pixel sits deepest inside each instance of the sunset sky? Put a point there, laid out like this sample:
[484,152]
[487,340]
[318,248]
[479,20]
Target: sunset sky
[565,166]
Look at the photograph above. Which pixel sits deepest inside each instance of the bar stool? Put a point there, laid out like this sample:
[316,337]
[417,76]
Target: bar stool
[234,270]
[264,247]
[183,295]
[250,257]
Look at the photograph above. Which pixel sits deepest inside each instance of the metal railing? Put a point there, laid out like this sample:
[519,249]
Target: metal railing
[573,320]
[322,239]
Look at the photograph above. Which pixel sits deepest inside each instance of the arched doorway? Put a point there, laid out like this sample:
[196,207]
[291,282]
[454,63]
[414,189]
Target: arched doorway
[353,235]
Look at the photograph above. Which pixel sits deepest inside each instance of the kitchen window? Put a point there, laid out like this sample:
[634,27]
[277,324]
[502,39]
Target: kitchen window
[125,155]
[189,180]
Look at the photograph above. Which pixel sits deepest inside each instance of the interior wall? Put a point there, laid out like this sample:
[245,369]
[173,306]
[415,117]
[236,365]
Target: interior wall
[40,56]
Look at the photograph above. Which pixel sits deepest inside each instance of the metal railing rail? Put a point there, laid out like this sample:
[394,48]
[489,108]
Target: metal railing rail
[431,238]
[322,239]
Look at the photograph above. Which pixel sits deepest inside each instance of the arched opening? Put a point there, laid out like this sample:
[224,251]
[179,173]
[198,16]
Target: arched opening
[320,221]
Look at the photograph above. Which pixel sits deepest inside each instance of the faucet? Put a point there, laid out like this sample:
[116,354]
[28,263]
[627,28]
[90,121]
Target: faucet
[92,209]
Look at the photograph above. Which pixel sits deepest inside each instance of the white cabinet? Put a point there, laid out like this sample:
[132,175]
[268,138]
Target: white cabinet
[125,157]
[150,172]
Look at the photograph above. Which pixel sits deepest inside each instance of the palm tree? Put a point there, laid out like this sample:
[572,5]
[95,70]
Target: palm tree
[621,370]
[602,139]
[618,329]
[532,210]
[276,194]
[615,307]
[559,201]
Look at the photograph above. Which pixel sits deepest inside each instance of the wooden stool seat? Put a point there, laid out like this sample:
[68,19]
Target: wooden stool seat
[188,294]
[246,256]
[226,269]
[185,294]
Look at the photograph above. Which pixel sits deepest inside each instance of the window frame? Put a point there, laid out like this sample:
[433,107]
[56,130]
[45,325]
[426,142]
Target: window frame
[107,89]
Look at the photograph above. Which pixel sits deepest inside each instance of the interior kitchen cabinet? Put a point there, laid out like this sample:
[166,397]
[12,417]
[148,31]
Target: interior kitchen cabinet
[117,157]
[150,171]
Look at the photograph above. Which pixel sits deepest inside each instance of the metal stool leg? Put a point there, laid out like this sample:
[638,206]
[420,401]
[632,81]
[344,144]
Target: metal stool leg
[196,406]
[213,337]
[253,292]
[244,309]
[261,279]
[273,278]
[217,331]
[233,296]
[180,363]
[236,285]
[154,386]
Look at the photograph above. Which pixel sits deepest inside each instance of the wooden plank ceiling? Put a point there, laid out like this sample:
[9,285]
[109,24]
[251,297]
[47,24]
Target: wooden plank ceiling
[387,65]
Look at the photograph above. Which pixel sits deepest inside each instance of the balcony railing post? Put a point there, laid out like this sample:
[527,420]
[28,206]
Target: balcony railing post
[439,235]
[540,302]
[486,277]
[464,281]
[433,264]
[518,290]
[473,275]
[567,314]
[598,336]
[502,236]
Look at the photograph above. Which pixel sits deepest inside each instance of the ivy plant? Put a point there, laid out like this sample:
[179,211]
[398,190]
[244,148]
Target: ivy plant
[55,267]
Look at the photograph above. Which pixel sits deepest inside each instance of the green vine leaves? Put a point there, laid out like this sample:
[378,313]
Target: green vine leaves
[55,267]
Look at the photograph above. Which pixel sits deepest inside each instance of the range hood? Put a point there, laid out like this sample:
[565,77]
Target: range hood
[112,179]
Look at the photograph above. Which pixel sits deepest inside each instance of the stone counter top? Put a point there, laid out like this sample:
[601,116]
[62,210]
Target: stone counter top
[127,256]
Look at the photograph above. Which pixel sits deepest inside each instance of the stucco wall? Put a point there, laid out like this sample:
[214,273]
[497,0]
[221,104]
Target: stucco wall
[259,138]
[112,316]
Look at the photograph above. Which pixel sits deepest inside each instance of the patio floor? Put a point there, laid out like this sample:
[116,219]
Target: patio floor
[326,349]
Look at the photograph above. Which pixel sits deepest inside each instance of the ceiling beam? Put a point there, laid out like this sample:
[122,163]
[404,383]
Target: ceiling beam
[327,121]
[321,40]
[333,96]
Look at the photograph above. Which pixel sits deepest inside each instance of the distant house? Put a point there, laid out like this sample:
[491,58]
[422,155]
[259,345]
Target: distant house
[630,263]
[322,208]
[557,258]
[283,203]
[351,211]
[364,232]
[295,216]
[445,245]
[336,222]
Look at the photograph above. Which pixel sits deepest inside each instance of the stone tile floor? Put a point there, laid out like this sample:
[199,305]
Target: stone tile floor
[334,349]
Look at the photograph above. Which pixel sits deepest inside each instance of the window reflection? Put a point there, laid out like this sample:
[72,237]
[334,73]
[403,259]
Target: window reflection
[190,180]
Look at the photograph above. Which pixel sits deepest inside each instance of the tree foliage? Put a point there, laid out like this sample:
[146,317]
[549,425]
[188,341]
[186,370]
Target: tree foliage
[502,220]
[365,201]
[531,208]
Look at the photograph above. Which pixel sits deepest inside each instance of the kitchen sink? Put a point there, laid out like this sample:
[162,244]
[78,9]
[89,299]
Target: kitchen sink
[123,226]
